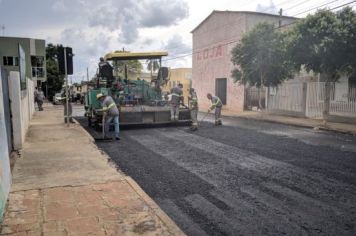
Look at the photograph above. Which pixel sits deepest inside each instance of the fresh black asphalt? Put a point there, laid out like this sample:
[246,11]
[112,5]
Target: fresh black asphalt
[244,178]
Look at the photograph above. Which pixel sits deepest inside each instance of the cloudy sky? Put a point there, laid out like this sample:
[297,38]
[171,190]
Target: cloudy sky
[93,28]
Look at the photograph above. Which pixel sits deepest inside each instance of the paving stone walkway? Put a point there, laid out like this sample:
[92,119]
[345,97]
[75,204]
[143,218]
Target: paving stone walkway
[64,185]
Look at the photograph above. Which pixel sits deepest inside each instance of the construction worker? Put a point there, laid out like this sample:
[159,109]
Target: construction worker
[217,105]
[39,97]
[112,113]
[176,100]
[193,107]
[64,101]
[105,72]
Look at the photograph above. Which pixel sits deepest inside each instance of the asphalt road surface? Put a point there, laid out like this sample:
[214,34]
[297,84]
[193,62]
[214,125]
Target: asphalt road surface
[244,178]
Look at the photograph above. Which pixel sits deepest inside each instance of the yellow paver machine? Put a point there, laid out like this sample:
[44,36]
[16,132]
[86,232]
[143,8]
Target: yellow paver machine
[140,101]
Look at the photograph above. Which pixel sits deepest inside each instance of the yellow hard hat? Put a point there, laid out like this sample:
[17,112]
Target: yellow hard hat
[99,95]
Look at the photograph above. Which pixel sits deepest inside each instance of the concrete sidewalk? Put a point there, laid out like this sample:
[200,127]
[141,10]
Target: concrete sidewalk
[303,122]
[64,185]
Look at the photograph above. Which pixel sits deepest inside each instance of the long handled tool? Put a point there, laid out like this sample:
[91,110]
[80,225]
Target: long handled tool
[103,138]
[202,119]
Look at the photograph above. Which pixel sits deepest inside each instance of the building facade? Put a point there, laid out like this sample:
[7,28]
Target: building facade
[35,56]
[213,41]
[179,75]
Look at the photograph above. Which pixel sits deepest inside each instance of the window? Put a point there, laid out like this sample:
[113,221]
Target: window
[37,63]
[188,75]
[10,61]
[38,72]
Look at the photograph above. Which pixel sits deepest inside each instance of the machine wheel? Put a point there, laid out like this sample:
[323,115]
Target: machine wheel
[90,116]
[89,121]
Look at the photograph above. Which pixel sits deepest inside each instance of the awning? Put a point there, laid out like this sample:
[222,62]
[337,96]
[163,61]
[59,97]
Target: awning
[120,55]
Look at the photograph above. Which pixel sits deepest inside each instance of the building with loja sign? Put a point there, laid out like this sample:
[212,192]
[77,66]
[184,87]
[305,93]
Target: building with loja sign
[213,40]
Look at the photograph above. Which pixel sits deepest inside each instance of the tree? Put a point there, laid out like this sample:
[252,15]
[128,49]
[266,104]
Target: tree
[152,65]
[132,66]
[54,79]
[261,58]
[325,43]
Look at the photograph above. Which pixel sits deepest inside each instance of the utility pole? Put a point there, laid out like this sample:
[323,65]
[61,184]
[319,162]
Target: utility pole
[280,18]
[3,30]
[87,74]
[67,89]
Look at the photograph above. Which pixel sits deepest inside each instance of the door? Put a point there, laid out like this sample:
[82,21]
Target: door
[220,89]
[7,109]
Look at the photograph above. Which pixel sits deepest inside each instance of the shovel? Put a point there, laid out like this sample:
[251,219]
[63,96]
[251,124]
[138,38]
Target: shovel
[103,138]
[202,119]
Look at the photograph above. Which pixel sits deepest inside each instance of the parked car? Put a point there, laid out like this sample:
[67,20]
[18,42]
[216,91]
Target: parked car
[57,99]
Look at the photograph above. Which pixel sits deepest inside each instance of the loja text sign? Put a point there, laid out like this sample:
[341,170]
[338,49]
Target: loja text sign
[210,53]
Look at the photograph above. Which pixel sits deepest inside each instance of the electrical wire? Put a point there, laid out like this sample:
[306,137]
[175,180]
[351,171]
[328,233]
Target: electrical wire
[315,7]
[296,5]
[235,41]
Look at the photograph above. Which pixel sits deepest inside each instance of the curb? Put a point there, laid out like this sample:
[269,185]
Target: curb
[293,124]
[299,125]
[84,131]
[159,212]
[171,225]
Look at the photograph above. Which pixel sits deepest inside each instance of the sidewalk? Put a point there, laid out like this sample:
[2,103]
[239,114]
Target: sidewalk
[303,122]
[64,185]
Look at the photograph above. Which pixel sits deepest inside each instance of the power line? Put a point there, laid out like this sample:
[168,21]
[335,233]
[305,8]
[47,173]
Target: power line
[235,41]
[232,25]
[316,7]
[296,5]
[342,5]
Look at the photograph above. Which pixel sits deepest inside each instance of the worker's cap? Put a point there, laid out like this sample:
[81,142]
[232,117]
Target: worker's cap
[99,95]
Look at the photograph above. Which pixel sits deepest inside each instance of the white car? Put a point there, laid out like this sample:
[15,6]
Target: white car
[57,99]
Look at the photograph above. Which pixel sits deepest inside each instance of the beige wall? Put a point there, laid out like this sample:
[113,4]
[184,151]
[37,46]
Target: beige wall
[5,172]
[22,107]
[179,75]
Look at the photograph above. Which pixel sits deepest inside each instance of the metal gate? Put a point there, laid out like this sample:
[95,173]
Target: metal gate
[252,97]
[286,97]
[315,100]
[7,108]
[342,100]
[220,89]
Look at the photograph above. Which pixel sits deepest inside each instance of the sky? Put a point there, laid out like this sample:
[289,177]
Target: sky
[93,28]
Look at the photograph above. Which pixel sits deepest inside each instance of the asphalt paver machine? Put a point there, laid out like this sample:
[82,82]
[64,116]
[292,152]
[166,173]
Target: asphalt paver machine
[139,101]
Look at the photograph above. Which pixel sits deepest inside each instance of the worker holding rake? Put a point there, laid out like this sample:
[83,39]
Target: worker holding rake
[217,105]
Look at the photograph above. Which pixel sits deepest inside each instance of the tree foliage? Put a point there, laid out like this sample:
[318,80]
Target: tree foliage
[152,65]
[261,58]
[54,79]
[325,43]
[132,65]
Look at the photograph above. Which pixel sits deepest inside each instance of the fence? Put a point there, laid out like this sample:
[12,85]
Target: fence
[288,98]
[308,98]
[252,97]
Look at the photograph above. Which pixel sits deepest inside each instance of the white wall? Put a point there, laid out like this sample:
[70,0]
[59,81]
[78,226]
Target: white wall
[22,107]
[5,174]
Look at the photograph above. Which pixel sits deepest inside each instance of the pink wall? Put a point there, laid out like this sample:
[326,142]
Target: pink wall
[213,41]
[212,44]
